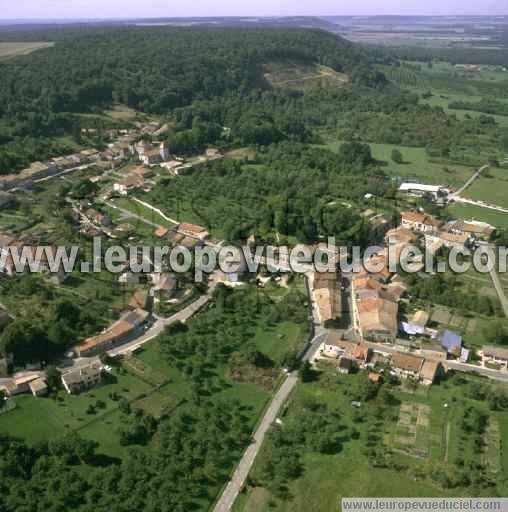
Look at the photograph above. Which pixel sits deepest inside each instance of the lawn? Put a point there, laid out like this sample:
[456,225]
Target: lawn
[150,355]
[328,478]
[96,286]
[276,342]
[502,418]
[41,419]
[141,210]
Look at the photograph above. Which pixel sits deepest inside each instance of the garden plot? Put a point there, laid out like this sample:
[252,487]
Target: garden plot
[412,434]
[492,449]
[441,316]
[144,372]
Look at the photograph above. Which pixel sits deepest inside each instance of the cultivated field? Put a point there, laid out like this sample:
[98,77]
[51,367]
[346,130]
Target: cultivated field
[425,431]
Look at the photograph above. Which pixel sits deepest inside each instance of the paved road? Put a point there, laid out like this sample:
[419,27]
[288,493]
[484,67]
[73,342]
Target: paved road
[456,196]
[143,336]
[498,375]
[481,204]
[158,211]
[160,324]
[234,486]
[501,376]
[236,483]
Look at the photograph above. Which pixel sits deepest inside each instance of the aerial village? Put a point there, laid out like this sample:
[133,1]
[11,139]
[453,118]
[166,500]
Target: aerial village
[360,313]
[376,336]
[142,163]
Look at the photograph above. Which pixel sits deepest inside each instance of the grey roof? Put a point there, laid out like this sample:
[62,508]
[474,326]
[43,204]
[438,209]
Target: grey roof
[497,352]
[78,375]
[136,317]
[38,385]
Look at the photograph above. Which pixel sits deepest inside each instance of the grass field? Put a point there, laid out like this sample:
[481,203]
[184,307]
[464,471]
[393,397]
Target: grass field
[122,113]
[490,187]
[40,419]
[448,84]
[9,50]
[251,396]
[444,98]
[467,211]
[417,166]
[141,210]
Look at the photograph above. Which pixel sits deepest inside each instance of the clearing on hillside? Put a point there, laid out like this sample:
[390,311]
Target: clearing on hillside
[294,75]
[122,113]
[9,50]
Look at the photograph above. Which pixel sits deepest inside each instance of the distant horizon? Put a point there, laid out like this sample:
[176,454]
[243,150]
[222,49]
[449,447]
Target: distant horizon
[266,16]
[57,10]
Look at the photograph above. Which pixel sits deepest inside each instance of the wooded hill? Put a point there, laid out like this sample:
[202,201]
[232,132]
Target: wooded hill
[158,68]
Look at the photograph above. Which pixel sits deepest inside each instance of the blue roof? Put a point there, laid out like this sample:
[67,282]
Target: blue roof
[451,340]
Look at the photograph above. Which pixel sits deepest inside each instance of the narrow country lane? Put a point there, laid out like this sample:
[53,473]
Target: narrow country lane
[236,483]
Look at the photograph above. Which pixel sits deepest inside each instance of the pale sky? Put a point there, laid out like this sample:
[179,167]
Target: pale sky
[176,8]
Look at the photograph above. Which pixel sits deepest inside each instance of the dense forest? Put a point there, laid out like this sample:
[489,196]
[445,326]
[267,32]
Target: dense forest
[158,69]
[153,70]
